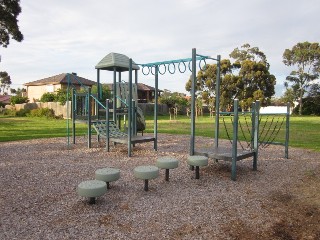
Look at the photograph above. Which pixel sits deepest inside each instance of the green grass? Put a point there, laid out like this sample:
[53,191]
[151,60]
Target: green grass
[304,131]
[23,128]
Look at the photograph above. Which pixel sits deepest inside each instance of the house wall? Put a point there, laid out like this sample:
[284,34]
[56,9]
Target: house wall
[34,93]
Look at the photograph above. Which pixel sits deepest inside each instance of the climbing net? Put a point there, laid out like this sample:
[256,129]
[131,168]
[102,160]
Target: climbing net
[271,131]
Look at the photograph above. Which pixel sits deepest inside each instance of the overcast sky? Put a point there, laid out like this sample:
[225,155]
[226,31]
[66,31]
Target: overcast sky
[74,35]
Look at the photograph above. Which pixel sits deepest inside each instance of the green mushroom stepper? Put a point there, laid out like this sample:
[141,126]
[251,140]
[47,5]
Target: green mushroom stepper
[197,161]
[167,163]
[146,173]
[107,175]
[92,189]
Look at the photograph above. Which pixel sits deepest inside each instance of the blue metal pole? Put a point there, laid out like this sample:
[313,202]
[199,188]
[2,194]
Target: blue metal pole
[114,95]
[256,135]
[99,90]
[155,126]
[287,131]
[193,101]
[130,109]
[235,140]
[73,114]
[89,117]
[107,126]
[216,132]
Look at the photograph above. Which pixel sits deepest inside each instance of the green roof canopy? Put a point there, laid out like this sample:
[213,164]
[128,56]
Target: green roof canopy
[116,60]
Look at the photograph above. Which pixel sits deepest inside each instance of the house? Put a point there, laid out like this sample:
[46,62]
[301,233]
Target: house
[145,92]
[37,88]
[5,99]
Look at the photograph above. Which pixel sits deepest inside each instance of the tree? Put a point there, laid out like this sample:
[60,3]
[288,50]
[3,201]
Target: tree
[175,101]
[288,96]
[247,79]
[254,82]
[305,57]
[9,11]
[18,92]
[5,82]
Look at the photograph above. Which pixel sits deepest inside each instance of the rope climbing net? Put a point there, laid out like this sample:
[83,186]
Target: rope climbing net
[272,130]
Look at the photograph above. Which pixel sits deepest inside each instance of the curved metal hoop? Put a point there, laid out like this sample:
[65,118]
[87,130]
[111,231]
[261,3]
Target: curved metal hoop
[154,66]
[184,65]
[190,68]
[204,66]
[165,69]
[174,68]
[144,72]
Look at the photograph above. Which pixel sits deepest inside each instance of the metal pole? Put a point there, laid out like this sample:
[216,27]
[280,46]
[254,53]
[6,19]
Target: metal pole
[107,126]
[136,77]
[235,139]
[287,131]
[130,109]
[193,100]
[68,133]
[134,118]
[155,127]
[73,114]
[99,90]
[256,135]
[89,117]
[216,132]
[114,95]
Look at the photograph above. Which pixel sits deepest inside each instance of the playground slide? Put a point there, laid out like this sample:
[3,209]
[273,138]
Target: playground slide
[141,122]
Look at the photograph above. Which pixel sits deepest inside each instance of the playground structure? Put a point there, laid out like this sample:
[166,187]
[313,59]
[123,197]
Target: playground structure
[253,137]
[87,107]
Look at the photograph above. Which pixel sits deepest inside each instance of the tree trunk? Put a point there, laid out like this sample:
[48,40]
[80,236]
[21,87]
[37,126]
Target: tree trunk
[300,102]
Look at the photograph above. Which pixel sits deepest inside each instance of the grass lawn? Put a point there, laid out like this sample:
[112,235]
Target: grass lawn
[304,131]
[23,128]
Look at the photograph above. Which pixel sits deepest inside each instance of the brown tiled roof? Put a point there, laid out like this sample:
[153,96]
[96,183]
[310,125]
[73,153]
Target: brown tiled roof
[62,78]
[5,98]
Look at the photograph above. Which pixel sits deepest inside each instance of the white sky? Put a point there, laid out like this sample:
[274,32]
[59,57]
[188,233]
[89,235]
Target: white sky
[74,35]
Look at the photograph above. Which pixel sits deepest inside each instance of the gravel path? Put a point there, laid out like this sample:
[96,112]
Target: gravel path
[38,198]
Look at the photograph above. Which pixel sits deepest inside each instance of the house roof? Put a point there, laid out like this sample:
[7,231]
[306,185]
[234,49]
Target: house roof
[62,78]
[5,98]
[116,61]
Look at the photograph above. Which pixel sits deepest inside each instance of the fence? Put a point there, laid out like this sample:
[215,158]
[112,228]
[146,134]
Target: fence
[61,110]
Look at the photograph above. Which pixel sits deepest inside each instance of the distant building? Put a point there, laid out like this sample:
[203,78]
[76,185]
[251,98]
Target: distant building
[37,88]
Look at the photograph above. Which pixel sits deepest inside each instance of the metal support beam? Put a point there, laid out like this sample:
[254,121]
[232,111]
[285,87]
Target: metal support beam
[235,139]
[193,101]
[107,126]
[114,94]
[217,110]
[256,135]
[130,109]
[89,116]
[73,114]
[98,85]
[287,131]
[155,127]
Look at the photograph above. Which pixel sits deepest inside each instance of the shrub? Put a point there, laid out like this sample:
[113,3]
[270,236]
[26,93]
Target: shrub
[42,112]
[48,97]
[18,100]
[9,112]
[22,112]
